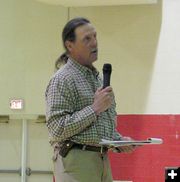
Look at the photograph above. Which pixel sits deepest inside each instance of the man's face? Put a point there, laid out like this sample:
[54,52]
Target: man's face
[84,48]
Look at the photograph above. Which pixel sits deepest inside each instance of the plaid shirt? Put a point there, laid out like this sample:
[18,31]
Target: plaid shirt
[69,113]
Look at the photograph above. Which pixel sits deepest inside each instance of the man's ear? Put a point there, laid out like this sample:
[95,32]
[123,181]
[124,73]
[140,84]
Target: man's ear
[69,45]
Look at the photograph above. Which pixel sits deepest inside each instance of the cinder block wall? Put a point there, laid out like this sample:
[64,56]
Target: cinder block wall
[140,41]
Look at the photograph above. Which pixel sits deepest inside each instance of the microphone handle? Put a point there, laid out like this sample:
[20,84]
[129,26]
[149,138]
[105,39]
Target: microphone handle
[106,80]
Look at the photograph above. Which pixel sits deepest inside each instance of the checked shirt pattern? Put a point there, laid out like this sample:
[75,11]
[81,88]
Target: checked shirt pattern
[69,113]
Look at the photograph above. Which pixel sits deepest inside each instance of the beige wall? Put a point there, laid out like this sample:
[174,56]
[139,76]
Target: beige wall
[10,150]
[140,41]
[29,44]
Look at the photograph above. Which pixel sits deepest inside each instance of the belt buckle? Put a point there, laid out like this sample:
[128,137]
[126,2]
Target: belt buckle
[101,151]
[84,147]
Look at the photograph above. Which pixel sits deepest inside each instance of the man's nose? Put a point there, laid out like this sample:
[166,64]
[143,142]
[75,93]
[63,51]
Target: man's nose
[94,42]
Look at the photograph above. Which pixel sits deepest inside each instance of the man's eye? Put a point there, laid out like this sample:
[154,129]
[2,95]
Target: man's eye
[87,38]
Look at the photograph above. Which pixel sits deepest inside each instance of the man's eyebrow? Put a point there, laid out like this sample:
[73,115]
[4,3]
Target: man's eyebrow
[90,33]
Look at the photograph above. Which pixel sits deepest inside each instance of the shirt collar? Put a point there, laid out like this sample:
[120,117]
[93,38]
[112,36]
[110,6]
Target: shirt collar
[83,69]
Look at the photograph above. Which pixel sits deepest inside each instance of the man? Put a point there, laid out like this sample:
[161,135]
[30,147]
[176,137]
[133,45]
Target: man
[79,112]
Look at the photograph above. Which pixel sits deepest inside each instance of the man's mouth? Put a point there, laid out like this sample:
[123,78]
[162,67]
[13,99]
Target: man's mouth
[94,51]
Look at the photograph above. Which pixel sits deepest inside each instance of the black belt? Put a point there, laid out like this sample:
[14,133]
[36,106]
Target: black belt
[90,148]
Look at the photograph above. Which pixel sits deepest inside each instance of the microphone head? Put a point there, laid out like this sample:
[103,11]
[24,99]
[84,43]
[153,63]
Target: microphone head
[107,68]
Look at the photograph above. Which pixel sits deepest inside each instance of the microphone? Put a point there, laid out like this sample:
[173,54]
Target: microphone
[107,69]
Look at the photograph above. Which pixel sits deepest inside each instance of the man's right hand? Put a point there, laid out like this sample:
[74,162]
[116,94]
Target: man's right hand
[102,99]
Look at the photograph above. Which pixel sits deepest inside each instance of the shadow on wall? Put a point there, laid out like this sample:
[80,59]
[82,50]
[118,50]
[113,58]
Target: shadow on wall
[128,38]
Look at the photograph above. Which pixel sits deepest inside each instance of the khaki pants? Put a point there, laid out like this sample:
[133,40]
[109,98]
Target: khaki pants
[82,166]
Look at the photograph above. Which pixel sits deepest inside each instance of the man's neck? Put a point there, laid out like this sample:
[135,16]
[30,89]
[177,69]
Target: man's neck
[90,66]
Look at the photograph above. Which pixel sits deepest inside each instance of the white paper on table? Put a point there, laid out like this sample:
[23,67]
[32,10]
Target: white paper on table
[118,143]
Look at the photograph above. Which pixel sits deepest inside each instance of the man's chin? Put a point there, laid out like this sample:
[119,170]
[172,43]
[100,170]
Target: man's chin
[94,58]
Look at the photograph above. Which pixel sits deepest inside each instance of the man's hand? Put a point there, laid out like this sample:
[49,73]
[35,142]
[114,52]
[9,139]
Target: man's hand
[102,100]
[126,149]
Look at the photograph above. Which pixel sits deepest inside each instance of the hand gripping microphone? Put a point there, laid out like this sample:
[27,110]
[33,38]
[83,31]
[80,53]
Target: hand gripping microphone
[107,69]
